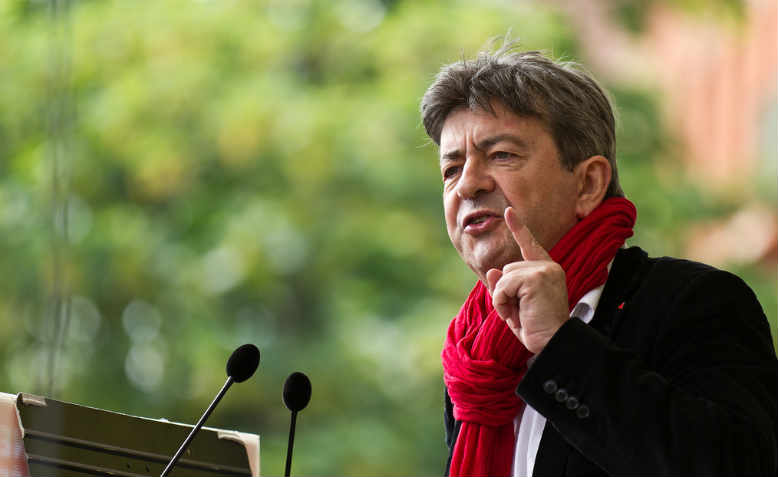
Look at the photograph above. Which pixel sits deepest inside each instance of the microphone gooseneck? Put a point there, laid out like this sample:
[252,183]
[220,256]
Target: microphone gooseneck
[297,394]
[242,364]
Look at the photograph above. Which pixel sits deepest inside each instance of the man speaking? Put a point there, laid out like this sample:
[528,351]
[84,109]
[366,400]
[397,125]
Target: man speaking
[574,355]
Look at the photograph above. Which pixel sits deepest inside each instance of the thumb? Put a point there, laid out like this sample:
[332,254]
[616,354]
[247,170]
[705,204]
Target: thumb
[492,277]
[530,248]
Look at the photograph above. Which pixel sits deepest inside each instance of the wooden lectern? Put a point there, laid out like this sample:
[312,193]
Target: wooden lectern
[41,436]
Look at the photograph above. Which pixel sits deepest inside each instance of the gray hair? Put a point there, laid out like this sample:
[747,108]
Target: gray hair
[566,99]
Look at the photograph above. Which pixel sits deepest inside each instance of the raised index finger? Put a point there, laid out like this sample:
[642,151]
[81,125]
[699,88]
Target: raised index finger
[530,248]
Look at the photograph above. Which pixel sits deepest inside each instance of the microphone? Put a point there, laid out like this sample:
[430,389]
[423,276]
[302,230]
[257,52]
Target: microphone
[297,394]
[242,364]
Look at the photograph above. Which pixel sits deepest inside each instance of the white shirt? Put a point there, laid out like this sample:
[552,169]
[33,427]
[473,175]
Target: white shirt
[530,423]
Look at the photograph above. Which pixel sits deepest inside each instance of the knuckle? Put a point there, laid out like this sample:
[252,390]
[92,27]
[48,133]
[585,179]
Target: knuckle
[510,267]
[500,298]
[541,273]
[551,270]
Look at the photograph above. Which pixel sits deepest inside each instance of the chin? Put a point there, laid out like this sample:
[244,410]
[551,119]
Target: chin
[481,265]
[494,251]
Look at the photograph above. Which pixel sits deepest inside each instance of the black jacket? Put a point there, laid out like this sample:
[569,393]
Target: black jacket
[675,375]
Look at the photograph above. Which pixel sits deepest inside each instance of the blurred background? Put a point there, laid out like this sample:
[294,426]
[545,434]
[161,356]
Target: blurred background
[180,177]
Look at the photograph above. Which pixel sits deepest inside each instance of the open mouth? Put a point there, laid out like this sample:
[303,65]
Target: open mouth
[479,220]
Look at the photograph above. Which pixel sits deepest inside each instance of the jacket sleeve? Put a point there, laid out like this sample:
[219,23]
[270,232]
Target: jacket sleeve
[695,395]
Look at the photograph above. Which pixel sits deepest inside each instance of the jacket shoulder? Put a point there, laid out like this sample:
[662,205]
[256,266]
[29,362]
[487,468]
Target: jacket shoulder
[675,300]
[664,280]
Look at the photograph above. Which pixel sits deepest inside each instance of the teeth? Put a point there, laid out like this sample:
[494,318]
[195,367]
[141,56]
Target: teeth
[478,220]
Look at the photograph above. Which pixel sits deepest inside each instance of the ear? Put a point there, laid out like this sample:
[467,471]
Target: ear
[593,176]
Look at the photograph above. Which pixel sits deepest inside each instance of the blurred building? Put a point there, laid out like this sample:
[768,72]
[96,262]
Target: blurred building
[717,73]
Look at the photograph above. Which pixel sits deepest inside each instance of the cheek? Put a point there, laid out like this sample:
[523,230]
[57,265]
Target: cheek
[450,214]
[518,188]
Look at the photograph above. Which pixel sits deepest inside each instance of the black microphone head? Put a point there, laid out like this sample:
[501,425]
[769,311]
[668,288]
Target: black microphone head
[297,391]
[243,363]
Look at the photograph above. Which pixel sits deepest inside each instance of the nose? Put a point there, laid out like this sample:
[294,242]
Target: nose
[475,179]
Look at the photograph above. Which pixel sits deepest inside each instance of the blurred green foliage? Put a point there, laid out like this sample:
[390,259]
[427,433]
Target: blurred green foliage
[181,177]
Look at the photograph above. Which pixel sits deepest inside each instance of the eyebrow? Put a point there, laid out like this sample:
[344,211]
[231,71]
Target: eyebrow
[486,143]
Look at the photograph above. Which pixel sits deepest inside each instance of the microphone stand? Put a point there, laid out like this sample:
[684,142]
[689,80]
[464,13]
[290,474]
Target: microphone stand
[197,427]
[291,444]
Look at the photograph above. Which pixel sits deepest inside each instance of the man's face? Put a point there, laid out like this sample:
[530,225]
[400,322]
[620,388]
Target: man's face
[491,162]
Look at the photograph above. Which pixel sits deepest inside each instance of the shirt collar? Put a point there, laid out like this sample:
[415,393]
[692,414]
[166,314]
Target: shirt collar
[587,305]
[584,309]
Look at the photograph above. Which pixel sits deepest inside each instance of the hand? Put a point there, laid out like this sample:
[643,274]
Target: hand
[530,295]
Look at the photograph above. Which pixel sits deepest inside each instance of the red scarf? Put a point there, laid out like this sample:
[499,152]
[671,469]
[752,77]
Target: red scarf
[484,362]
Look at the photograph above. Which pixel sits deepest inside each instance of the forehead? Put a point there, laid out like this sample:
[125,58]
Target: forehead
[476,126]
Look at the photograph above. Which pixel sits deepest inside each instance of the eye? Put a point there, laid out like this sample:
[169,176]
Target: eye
[450,171]
[503,155]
